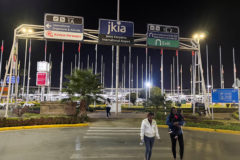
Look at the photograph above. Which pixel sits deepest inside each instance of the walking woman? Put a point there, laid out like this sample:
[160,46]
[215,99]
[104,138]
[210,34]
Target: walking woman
[149,131]
[175,121]
[108,107]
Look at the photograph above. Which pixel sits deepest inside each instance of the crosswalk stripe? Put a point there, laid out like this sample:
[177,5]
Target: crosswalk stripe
[108,134]
[113,130]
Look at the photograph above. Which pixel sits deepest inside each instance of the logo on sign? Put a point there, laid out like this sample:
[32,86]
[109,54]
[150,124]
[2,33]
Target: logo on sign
[117,28]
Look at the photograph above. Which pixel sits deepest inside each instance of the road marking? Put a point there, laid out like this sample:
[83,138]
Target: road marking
[114,128]
[114,131]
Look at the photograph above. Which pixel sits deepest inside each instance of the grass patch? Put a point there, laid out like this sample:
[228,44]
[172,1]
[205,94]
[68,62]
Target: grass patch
[203,122]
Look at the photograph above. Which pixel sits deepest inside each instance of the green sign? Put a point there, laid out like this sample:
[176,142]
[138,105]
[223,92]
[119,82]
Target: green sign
[162,43]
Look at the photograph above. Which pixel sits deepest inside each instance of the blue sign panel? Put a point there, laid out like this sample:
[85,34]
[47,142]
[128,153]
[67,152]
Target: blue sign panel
[116,32]
[13,79]
[225,96]
[63,27]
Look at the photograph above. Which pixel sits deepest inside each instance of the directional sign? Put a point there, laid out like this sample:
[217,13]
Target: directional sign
[13,79]
[162,36]
[42,79]
[63,27]
[225,96]
[116,32]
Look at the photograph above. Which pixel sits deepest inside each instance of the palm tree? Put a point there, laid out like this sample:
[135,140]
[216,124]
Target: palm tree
[83,86]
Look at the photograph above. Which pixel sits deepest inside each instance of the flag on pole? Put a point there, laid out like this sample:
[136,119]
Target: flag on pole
[161,51]
[30,46]
[62,46]
[176,52]
[193,53]
[45,49]
[2,48]
[79,47]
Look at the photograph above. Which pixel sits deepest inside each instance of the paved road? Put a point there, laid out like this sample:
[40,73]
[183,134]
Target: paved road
[111,139]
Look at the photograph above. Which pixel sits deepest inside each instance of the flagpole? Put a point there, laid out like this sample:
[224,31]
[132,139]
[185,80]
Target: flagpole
[112,68]
[234,70]
[149,75]
[220,64]
[75,64]
[177,74]
[79,55]
[129,76]
[173,76]
[61,76]
[50,69]
[1,59]
[88,62]
[171,70]
[137,82]
[29,67]
[146,79]
[101,68]
[181,80]
[45,55]
[162,88]
[142,75]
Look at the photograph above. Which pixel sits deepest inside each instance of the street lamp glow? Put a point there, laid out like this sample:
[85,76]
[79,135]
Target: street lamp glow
[199,36]
[24,30]
[30,30]
[148,84]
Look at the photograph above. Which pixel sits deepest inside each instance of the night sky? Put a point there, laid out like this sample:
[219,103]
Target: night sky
[219,19]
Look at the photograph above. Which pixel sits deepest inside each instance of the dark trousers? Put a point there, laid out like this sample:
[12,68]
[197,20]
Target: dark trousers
[108,111]
[181,144]
[148,144]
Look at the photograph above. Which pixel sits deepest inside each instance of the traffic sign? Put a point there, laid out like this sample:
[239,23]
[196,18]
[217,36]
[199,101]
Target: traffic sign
[13,79]
[162,36]
[116,32]
[42,79]
[225,96]
[63,27]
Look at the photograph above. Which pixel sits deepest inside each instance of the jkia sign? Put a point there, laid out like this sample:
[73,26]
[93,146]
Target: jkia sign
[162,36]
[63,27]
[42,79]
[116,32]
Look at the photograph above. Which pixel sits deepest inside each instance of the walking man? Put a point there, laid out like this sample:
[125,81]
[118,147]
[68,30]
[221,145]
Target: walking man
[149,131]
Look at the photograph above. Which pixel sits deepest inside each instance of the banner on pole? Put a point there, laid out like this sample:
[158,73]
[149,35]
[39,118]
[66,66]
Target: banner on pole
[42,79]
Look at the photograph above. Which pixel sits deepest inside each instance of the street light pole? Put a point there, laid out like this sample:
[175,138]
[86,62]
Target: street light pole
[162,88]
[24,70]
[117,61]
[112,68]
[29,67]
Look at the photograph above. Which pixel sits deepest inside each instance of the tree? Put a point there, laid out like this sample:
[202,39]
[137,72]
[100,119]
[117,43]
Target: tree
[133,98]
[83,86]
[156,99]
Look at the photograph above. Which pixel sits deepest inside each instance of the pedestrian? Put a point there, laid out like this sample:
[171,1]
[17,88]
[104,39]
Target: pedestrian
[175,122]
[149,131]
[108,107]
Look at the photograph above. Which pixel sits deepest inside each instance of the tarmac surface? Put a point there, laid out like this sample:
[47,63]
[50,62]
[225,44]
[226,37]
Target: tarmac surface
[111,139]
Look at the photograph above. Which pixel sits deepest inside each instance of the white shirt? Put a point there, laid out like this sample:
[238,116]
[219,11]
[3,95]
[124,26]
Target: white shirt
[149,130]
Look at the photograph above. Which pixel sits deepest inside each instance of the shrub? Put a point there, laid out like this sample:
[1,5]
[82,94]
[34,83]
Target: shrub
[41,121]
[235,115]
